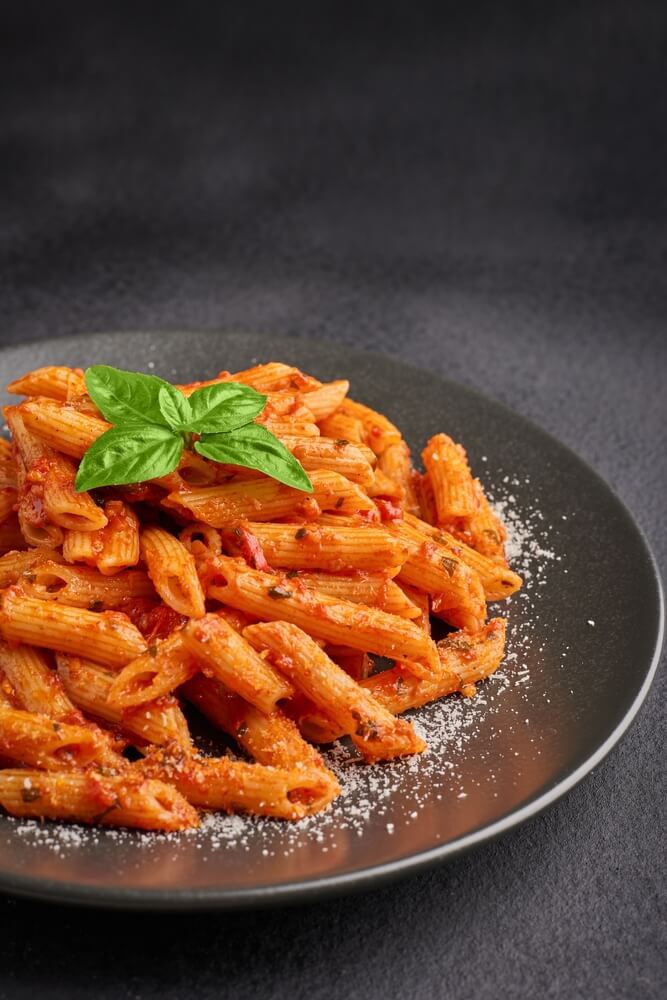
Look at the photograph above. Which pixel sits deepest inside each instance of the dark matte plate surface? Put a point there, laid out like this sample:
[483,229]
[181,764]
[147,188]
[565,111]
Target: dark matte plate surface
[569,695]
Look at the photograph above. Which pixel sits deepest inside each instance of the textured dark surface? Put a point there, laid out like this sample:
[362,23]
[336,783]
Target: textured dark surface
[485,198]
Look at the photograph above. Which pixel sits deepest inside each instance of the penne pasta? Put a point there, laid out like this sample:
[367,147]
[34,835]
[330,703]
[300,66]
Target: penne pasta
[314,546]
[263,605]
[337,456]
[233,785]
[497,579]
[270,738]
[273,597]
[267,499]
[84,587]
[379,432]
[225,655]
[373,730]
[465,658]
[14,564]
[173,571]
[374,589]
[88,685]
[449,473]
[54,381]
[125,800]
[108,638]
[164,667]
[110,549]
[37,741]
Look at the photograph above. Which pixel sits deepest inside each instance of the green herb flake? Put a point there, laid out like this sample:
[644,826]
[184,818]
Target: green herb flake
[31,794]
[301,533]
[278,593]
[152,651]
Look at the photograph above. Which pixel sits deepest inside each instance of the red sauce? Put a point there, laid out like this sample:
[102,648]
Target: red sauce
[154,621]
[389,509]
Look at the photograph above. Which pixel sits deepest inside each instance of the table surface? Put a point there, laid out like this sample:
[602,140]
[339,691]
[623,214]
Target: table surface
[485,197]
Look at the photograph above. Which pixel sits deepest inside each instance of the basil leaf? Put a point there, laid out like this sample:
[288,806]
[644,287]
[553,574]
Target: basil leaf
[124,397]
[174,407]
[253,447]
[223,407]
[130,454]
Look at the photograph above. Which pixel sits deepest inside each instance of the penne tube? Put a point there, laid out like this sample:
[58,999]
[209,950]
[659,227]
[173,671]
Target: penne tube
[224,654]
[337,456]
[484,529]
[84,587]
[379,432]
[340,425]
[164,667]
[54,381]
[110,549]
[11,536]
[314,546]
[274,376]
[373,589]
[270,738]
[497,579]
[108,638]
[326,399]
[88,685]
[438,570]
[37,685]
[173,571]
[394,462]
[267,500]
[447,466]
[62,426]
[465,658]
[46,484]
[233,785]
[125,800]
[271,596]
[373,730]
[37,741]
[14,564]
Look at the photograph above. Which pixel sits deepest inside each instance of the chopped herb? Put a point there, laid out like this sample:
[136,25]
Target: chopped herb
[339,502]
[30,794]
[96,606]
[56,727]
[152,651]
[278,592]
[341,442]
[449,565]
[291,574]
[301,533]
[30,577]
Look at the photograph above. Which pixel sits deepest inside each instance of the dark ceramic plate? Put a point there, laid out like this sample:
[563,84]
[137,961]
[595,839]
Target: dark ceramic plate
[585,639]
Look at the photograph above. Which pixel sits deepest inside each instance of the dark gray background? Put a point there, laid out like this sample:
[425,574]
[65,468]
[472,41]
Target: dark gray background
[483,194]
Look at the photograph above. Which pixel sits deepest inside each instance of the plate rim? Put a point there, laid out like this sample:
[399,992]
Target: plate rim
[310,890]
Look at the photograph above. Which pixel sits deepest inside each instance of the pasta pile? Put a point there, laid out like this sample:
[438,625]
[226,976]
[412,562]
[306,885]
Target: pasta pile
[218,588]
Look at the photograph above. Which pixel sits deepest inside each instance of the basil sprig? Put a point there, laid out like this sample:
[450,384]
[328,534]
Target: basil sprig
[153,422]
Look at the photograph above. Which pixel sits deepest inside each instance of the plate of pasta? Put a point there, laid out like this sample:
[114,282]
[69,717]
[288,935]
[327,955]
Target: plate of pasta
[279,618]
